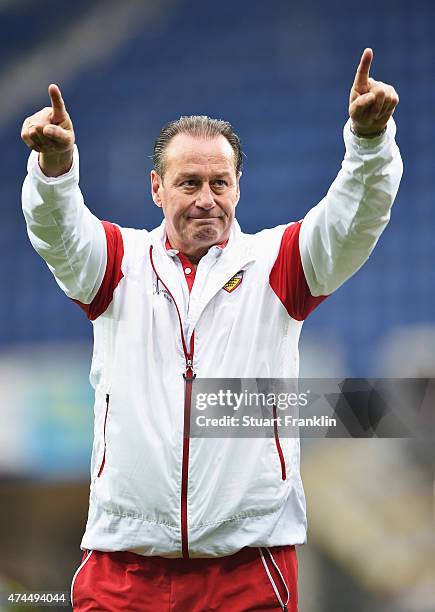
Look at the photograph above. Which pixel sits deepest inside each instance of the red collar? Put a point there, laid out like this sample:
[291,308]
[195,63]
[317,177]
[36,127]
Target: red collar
[188,267]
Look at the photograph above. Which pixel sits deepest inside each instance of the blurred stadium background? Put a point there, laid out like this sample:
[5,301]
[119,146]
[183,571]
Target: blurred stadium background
[280,72]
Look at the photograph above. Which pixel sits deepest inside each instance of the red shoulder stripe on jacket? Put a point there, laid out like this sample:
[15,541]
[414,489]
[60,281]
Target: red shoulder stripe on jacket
[112,275]
[287,277]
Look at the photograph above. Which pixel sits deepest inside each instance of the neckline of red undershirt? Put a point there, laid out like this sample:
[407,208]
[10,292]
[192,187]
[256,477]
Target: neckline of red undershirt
[188,267]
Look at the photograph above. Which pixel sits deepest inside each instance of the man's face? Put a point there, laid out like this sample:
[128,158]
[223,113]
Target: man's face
[198,193]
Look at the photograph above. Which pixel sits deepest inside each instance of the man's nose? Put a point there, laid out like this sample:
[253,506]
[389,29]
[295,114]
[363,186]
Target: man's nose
[205,197]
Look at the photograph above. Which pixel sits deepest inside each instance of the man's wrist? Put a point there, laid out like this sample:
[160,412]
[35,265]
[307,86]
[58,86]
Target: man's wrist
[56,164]
[369,135]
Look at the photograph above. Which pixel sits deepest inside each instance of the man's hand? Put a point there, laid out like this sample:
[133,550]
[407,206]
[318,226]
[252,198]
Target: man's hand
[50,132]
[371,103]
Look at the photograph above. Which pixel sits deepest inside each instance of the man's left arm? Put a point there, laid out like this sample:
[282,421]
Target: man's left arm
[337,236]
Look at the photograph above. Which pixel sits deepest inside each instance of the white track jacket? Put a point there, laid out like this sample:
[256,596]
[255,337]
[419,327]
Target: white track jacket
[155,490]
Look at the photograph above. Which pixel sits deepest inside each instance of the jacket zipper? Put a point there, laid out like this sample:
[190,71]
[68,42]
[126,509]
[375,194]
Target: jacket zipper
[189,376]
[278,445]
[103,461]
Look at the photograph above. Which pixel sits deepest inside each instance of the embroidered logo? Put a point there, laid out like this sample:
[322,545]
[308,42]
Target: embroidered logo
[234,282]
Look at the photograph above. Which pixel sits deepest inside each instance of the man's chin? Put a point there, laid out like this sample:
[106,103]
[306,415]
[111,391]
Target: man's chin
[206,235]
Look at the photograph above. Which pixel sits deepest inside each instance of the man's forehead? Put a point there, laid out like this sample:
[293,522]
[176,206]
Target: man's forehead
[186,150]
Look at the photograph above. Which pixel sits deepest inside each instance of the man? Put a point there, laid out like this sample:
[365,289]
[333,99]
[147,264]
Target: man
[178,522]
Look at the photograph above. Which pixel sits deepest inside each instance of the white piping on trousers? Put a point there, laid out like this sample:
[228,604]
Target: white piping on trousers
[75,576]
[272,582]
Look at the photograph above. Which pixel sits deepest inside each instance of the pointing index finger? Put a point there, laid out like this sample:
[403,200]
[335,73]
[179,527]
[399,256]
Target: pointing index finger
[57,103]
[361,82]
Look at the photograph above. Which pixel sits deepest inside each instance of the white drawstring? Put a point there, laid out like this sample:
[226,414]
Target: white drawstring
[272,582]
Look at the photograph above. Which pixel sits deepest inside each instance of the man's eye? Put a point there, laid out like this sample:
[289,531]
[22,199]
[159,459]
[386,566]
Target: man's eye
[188,183]
[220,183]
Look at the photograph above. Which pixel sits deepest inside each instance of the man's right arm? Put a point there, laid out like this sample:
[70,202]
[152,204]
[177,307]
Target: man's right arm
[72,241]
[63,231]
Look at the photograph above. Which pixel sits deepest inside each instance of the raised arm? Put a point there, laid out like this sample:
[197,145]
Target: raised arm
[338,235]
[61,229]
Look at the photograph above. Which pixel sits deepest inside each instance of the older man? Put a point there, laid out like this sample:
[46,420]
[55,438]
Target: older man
[177,522]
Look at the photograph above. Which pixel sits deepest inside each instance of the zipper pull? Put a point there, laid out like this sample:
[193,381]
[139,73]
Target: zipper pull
[189,374]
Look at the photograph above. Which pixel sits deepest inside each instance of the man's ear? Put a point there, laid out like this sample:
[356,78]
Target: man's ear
[239,174]
[156,183]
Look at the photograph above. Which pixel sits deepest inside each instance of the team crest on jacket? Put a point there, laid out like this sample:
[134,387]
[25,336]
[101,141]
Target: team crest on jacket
[234,282]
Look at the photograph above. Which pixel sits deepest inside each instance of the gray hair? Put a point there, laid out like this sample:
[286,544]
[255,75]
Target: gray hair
[199,126]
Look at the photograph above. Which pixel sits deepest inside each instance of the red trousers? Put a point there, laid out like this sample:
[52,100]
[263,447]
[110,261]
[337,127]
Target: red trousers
[251,580]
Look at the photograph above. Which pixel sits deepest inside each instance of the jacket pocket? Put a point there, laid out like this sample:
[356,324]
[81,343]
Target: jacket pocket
[278,446]
[103,461]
